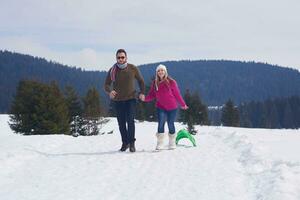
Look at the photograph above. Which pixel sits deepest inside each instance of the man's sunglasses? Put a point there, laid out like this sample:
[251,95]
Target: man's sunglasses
[120,57]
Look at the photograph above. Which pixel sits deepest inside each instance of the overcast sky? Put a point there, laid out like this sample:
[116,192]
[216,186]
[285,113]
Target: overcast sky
[87,33]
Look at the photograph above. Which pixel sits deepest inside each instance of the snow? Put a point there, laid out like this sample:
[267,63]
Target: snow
[228,163]
[215,107]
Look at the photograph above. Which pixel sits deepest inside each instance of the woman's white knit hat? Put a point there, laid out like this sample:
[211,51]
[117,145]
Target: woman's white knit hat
[160,66]
[163,67]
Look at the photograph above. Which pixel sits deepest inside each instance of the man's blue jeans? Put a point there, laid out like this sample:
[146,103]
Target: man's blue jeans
[125,114]
[163,116]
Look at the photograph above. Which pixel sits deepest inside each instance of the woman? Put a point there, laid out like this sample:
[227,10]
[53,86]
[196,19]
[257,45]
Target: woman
[166,92]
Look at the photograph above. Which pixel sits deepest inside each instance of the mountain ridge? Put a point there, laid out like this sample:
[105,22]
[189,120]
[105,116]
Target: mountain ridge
[215,80]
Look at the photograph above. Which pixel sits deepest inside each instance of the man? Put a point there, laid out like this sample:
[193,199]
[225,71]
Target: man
[122,76]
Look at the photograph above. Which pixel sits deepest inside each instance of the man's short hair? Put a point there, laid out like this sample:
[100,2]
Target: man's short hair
[121,51]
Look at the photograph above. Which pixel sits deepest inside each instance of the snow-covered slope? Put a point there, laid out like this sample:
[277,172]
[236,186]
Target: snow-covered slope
[228,163]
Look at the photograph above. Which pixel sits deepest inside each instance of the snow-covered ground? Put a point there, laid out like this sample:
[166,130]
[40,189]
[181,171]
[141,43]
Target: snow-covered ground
[228,163]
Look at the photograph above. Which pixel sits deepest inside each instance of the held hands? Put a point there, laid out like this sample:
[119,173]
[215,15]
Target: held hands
[185,107]
[142,97]
[113,94]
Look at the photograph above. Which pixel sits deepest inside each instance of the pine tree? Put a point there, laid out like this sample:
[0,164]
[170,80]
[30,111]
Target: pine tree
[140,111]
[288,121]
[273,119]
[295,107]
[190,126]
[263,117]
[150,109]
[146,111]
[244,114]
[57,111]
[230,114]
[197,112]
[73,102]
[24,116]
[39,108]
[92,112]
[75,111]
[92,104]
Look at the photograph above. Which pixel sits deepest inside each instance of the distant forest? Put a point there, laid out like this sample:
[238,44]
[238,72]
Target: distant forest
[15,67]
[271,113]
[216,81]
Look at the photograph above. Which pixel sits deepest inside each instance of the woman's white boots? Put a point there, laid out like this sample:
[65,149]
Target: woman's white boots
[160,141]
[172,144]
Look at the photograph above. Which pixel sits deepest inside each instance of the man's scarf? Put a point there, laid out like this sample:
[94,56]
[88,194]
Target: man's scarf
[114,70]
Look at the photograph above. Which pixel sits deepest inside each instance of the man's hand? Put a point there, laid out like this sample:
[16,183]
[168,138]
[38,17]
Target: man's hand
[142,97]
[113,94]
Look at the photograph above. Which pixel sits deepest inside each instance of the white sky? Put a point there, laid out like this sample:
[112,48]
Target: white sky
[87,33]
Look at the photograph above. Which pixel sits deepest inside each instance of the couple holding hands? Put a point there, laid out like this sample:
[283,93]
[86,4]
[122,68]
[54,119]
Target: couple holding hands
[120,86]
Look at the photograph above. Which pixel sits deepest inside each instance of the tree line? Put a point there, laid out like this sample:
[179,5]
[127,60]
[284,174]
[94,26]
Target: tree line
[40,108]
[271,113]
[43,108]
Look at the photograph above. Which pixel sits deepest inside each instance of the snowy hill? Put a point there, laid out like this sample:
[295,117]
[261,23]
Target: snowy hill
[228,163]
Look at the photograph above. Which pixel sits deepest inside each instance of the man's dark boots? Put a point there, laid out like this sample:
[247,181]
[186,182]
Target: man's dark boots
[124,147]
[132,147]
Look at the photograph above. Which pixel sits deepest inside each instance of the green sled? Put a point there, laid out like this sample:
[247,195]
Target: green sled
[185,134]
